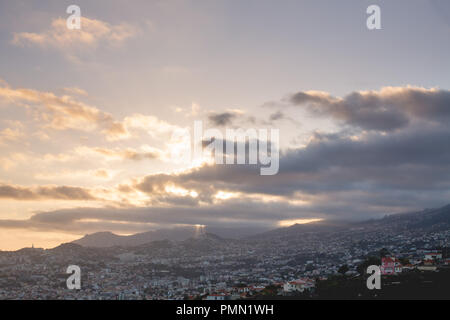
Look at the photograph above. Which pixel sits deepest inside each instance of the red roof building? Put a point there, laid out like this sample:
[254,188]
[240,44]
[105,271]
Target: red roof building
[390,265]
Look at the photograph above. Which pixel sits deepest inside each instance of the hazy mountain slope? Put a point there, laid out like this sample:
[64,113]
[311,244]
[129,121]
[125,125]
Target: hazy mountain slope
[427,220]
[101,240]
[108,239]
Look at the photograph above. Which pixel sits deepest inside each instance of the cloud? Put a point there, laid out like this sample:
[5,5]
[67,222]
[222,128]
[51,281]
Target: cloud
[222,119]
[334,177]
[11,160]
[357,175]
[150,124]
[388,109]
[280,116]
[277,116]
[122,154]
[65,112]
[10,135]
[44,193]
[82,220]
[92,33]
[76,91]
[116,130]
[103,174]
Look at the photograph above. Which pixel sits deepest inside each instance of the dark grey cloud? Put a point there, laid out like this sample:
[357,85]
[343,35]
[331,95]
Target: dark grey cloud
[234,214]
[375,172]
[222,119]
[277,116]
[385,110]
[280,116]
[311,97]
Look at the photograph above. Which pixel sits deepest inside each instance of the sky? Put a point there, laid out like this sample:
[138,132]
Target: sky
[94,122]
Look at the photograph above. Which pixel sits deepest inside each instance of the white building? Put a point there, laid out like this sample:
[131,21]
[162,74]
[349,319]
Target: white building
[433,256]
[299,285]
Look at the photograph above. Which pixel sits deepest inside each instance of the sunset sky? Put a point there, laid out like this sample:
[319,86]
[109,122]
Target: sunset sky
[89,118]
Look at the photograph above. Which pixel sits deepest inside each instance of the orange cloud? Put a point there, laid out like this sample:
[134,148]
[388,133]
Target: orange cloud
[65,112]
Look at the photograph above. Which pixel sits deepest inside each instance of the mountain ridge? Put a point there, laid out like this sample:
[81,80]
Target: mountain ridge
[432,219]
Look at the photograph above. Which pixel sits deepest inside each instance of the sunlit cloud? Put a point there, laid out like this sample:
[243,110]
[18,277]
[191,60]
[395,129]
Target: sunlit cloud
[145,152]
[91,33]
[223,195]
[180,191]
[150,124]
[100,174]
[10,135]
[64,112]
[76,91]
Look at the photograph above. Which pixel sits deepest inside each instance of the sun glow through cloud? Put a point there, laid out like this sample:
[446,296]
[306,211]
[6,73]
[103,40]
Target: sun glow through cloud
[288,223]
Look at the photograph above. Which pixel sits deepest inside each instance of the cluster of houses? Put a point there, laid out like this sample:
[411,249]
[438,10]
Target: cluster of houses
[235,293]
[294,286]
[392,265]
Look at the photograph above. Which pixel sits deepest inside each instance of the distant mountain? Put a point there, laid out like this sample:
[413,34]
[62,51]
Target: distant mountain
[426,220]
[298,229]
[109,239]
[101,240]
